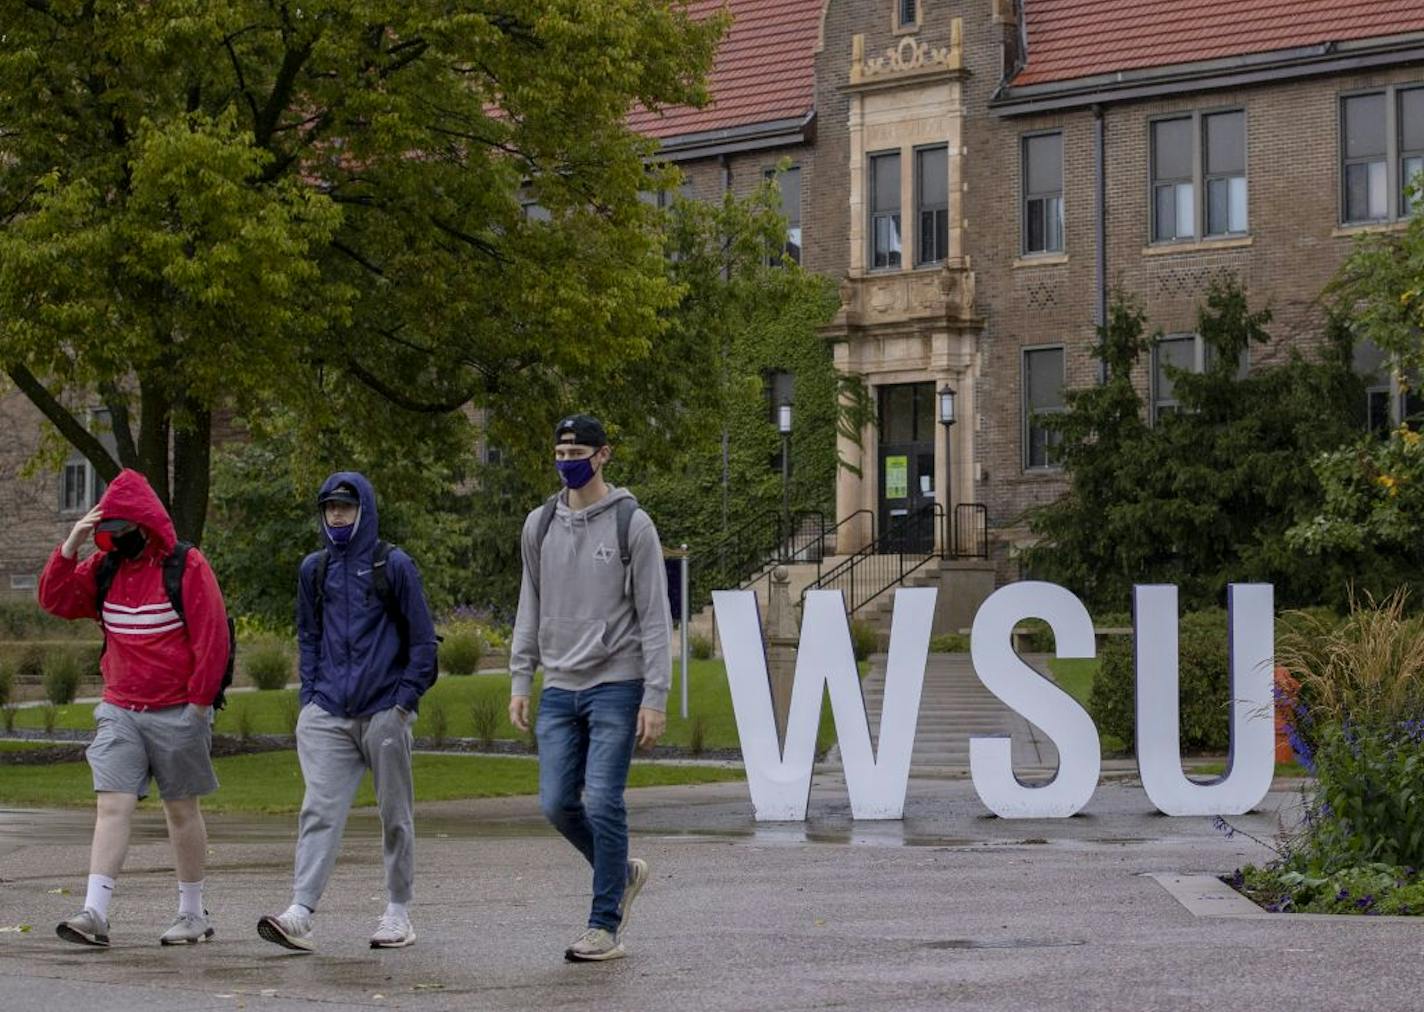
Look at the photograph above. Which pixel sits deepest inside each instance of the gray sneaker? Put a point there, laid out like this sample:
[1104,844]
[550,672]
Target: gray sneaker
[393,932]
[637,878]
[594,945]
[187,929]
[85,928]
[291,929]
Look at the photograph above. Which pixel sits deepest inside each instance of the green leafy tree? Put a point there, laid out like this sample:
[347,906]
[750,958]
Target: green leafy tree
[314,216]
[1205,496]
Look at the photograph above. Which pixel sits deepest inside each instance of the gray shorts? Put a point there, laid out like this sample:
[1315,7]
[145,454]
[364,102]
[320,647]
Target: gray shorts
[132,747]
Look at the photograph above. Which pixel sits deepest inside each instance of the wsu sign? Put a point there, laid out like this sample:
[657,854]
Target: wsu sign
[780,781]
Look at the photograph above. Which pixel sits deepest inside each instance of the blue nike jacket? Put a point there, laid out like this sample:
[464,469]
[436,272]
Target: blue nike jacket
[353,663]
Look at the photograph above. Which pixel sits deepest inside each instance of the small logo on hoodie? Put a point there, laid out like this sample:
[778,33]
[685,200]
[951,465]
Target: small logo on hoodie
[603,553]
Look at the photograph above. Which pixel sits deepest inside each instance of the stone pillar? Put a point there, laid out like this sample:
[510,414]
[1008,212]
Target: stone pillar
[964,585]
[782,637]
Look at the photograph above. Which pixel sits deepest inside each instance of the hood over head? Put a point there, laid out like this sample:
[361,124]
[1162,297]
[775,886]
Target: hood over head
[365,536]
[131,497]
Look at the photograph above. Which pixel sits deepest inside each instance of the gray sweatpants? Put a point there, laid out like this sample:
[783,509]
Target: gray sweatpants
[335,752]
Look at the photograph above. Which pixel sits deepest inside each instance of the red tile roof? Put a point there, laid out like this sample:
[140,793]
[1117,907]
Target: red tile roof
[1070,39]
[763,72]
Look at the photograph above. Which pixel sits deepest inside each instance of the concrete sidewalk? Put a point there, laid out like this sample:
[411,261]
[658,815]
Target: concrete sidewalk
[949,909]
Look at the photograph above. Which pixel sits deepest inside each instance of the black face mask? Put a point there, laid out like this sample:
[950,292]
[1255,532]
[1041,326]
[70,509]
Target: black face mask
[129,545]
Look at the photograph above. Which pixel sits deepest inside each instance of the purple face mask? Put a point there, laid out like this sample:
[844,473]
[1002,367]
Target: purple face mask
[340,535]
[575,473]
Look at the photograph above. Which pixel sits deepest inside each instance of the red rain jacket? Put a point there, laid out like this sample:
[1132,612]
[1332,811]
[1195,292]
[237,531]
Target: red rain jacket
[151,658]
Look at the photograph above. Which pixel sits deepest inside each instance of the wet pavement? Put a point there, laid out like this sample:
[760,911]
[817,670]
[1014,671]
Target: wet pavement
[951,908]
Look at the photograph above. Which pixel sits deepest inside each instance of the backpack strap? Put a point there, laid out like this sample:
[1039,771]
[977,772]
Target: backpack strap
[546,520]
[173,565]
[626,508]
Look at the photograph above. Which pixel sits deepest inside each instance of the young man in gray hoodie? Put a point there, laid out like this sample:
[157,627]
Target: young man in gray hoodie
[593,609]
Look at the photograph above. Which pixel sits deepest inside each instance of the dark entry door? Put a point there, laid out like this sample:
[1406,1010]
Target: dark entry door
[907,466]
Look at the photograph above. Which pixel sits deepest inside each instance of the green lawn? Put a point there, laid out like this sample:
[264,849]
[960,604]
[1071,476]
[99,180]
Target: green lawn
[1075,675]
[271,782]
[709,702]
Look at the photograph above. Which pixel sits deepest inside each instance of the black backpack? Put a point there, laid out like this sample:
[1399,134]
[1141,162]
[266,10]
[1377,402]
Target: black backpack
[380,583]
[625,507]
[173,566]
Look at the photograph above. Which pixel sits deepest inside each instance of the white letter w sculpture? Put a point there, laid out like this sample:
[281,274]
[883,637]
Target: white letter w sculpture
[780,782]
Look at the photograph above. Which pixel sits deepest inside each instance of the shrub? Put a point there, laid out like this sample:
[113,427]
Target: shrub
[62,671]
[243,720]
[1203,689]
[700,646]
[697,734]
[437,721]
[460,653]
[291,711]
[49,713]
[864,639]
[8,713]
[7,681]
[268,662]
[485,712]
[22,618]
[1358,723]
[949,643]
[32,661]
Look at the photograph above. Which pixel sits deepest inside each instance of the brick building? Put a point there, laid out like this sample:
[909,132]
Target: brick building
[976,174]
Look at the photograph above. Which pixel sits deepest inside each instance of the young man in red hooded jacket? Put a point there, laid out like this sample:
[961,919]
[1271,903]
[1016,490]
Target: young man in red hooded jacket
[162,672]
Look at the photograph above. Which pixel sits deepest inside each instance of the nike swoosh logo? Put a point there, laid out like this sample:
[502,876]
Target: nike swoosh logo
[362,572]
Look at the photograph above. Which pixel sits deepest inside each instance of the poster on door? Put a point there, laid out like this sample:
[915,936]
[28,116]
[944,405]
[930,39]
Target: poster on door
[897,477]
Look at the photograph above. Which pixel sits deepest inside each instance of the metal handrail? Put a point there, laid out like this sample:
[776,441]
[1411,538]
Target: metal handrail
[971,531]
[884,563]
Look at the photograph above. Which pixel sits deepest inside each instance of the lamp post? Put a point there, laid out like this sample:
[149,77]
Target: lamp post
[783,425]
[946,418]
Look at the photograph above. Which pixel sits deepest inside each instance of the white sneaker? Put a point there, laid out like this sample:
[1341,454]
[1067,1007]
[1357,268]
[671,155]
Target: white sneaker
[393,932]
[291,929]
[594,945]
[85,928]
[187,929]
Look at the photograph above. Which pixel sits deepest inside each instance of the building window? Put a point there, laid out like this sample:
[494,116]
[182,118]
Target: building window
[1042,175]
[1411,148]
[1173,199]
[789,183]
[885,211]
[1390,400]
[1224,138]
[932,204]
[1199,161]
[76,488]
[1366,170]
[23,581]
[1043,395]
[1182,352]
[907,13]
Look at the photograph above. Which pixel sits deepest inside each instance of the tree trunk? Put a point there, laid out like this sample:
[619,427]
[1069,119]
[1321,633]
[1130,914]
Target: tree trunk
[192,464]
[154,410]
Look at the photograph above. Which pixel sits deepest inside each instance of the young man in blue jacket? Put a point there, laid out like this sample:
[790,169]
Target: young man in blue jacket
[367,656]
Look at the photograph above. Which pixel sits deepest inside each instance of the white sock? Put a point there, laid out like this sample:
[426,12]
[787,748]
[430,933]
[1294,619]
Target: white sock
[101,890]
[300,912]
[190,898]
[401,910]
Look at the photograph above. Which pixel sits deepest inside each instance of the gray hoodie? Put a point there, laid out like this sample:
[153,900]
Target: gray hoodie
[585,618]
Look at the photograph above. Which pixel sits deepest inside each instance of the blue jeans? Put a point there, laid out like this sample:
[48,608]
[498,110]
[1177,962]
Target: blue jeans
[586,742]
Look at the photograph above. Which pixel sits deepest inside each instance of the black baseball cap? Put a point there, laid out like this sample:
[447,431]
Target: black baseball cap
[586,430]
[341,493]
